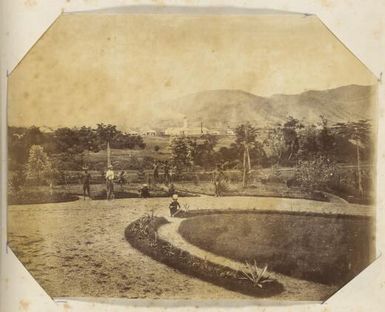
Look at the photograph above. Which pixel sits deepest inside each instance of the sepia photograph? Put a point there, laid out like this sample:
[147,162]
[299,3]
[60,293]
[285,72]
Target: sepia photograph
[204,157]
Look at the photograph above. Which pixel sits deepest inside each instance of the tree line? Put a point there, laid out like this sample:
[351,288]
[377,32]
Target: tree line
[283,145]
[69,143]
[314,150]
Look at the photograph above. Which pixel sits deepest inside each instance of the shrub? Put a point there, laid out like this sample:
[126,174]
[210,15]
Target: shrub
[39,167]
[317,173]
[17,180]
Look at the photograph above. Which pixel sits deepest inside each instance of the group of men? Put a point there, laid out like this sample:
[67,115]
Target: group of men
[168,172]
[218,179]
[109,176]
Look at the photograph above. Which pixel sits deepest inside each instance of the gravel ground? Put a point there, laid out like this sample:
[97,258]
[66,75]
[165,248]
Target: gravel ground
[78,249]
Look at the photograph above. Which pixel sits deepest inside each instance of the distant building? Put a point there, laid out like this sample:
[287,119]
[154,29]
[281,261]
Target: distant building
[230,131]
[45,129]
[214,132]
[132,132]
[148,132]
[186,130]
[190,131]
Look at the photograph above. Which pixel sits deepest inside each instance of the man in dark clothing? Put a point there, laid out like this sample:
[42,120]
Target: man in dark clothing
[144,191]
[174,205]
[156,172]
[122,179]
[218,178]
[86,179]
[166,169]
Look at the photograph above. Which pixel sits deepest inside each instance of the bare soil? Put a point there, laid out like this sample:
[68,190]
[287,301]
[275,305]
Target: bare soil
[78,249]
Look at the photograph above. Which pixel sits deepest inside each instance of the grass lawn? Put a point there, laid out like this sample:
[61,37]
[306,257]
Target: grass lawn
[256,189]
[330,250]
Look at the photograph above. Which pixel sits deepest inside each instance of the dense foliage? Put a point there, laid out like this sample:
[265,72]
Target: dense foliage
[316,152]
[69,144]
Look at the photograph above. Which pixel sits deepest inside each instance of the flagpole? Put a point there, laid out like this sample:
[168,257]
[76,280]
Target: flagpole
[108,154]
[360,189]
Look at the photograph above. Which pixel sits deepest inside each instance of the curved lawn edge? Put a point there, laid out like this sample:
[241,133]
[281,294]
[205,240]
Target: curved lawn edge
[142,235]
[327,214]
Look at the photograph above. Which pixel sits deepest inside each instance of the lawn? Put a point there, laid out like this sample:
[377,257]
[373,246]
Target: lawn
[329,250]
[123,156]
[271,189]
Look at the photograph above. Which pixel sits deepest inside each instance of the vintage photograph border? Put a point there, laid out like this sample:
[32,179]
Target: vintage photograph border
[347,297]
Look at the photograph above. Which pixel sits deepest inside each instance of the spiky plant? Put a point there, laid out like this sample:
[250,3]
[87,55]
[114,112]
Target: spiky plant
[255,275]
[186,207]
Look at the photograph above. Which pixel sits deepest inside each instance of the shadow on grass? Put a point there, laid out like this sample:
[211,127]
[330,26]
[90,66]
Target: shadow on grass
[323,248]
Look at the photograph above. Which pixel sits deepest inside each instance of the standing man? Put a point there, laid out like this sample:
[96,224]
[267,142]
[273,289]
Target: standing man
[218,177]
[110,176]
[166,169]
[156,172]
[122,179]
[86,179]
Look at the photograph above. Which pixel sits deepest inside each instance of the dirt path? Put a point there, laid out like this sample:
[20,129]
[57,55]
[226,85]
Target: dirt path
[78,249]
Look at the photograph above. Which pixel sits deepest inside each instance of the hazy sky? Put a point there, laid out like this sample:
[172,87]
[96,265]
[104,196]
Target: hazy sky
[91,68]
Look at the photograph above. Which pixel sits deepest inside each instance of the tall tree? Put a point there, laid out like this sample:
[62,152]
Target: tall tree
[325,139]
[275,145]
[106,132]
[308,143]
[245,139]
[290,134]
[39,167]
[180,152]
[359,134]
[19,142]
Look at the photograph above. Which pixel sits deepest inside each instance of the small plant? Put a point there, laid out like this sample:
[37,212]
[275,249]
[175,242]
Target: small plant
[254,275]
[186,207]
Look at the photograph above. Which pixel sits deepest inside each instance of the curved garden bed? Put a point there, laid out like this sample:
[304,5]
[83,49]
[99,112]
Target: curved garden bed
[142,235]
[328,249]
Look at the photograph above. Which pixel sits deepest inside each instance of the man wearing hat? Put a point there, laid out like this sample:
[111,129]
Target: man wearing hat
[144,191]
[110,176]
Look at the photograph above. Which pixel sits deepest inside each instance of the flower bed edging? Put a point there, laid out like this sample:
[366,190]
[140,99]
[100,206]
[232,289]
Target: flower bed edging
[142,235]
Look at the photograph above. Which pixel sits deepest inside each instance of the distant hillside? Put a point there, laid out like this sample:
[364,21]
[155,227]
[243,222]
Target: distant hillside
[219,108]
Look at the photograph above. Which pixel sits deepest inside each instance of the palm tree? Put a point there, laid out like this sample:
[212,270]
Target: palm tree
[106,133]
[357,133]
[245,139]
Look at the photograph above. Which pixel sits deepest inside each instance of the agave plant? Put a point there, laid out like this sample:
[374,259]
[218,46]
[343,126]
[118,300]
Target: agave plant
[186,207]
[255,275]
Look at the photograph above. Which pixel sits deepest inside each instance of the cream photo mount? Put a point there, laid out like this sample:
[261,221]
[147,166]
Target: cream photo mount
[378,214]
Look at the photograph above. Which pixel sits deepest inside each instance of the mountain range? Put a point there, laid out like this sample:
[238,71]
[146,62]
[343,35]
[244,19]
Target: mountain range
[220,108]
